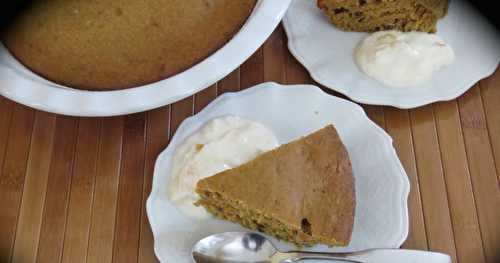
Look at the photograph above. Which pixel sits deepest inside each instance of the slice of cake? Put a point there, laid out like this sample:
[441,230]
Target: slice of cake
[301,192]
[376,15]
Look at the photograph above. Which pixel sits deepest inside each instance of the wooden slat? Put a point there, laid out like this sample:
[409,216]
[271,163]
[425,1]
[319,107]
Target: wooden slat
[432,186]
[458,185]
[376,114]
[12,177]
[157,140]
[204,97]
[230,83]
[128,219]
[295,73]
[274,50]
[6,107]
[482,171]
[252,70]
[490,91]
[102,227]
[180,110]
[398,126]
[82,192]
[56,200]
[35,185]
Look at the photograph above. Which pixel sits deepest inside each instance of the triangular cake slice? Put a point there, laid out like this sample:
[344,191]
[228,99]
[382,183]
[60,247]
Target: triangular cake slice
[301,192]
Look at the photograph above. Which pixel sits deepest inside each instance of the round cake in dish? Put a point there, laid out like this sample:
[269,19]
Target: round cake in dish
[119,44]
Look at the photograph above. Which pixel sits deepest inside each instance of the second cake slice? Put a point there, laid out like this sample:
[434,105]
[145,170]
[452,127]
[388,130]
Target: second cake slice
[302,192]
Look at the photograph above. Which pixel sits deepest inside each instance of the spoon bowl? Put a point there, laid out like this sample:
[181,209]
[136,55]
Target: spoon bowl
[233,247]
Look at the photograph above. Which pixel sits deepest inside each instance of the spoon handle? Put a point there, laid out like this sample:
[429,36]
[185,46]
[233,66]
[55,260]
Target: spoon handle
[290,257]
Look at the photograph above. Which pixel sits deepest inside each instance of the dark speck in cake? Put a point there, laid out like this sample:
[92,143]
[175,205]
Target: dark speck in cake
[118,11]
[305,226]
[161,70]
[340,10]
[208,3]
[155,24]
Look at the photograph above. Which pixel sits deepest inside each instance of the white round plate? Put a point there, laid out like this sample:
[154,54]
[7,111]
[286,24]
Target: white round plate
[382,186]
[327,53]
[21,85]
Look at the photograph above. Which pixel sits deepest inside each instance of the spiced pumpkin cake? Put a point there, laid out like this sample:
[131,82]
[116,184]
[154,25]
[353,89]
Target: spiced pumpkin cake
[118,44]
[376,15]
[301,192]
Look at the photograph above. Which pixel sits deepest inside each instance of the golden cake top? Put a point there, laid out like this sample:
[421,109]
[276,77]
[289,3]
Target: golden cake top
[116,44]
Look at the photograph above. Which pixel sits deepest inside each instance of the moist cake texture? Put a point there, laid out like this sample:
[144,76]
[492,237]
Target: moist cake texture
[377,15]
[301,192]
[117,44]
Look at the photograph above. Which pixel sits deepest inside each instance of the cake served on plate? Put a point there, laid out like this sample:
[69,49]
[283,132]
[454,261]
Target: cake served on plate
[110,45]
[377,15]
[302,192]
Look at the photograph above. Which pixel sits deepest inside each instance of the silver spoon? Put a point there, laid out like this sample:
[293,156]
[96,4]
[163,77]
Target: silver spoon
[247,247]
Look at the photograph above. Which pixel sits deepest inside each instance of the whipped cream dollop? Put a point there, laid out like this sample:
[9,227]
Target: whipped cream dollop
[221,144]
[402,59]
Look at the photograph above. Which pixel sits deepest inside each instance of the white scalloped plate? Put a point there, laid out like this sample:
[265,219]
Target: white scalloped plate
[382,186]
[21,85]
[327,53]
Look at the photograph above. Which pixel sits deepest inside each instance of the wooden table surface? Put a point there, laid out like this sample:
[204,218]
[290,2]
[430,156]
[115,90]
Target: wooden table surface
[74,189]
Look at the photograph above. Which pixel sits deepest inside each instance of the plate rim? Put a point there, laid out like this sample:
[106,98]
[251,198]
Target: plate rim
[394,101]
[357,110]
[42,94]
